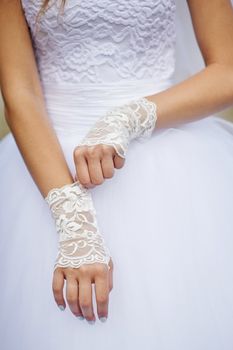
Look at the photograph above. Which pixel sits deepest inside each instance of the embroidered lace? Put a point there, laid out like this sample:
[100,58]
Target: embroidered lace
[103,41]
[80,241]
[134,120]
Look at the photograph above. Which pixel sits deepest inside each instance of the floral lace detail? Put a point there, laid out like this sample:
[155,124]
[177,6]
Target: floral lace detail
[75,216]
[120,125]
[103,41]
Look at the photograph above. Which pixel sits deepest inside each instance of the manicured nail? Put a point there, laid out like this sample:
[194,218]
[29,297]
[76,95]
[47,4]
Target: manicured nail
[103,319]
[61,307]
[91,321]
[80,317]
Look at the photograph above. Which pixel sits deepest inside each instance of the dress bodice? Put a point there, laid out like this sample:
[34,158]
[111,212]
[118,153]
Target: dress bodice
[103,41]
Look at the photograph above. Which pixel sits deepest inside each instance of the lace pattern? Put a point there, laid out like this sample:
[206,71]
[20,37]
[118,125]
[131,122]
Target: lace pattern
[80,241]
[134,120]
[103,41]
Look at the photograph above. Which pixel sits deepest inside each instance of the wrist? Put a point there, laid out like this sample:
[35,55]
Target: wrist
[80,241]
[121,124]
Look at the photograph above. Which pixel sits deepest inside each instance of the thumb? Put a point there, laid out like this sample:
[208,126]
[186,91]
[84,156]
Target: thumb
[118,162]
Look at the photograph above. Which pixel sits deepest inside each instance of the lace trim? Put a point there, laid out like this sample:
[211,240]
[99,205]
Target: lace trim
[80,241]
[135,120]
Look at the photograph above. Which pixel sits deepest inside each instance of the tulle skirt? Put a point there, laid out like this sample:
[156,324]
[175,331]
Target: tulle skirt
[167,220]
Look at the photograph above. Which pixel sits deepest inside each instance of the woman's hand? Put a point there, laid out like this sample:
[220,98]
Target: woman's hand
[96,163]
[83,258]
[79,289]
[105,145]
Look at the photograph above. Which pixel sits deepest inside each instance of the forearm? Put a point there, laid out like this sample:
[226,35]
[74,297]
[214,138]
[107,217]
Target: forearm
[37,141]
[207,92]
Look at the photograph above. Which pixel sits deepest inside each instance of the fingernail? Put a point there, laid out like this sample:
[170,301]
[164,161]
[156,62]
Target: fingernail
[91,321]
[103,319]
[80,317]
[61,307]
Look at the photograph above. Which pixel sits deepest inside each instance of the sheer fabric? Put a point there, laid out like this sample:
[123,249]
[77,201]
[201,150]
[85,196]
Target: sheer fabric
[166,215]
[80,241]
[122,124]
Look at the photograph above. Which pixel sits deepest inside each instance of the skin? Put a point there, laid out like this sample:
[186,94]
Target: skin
[203,94]
[42,152]
[207,92]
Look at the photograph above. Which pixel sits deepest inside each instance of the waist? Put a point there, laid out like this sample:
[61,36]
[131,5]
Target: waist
[74,108]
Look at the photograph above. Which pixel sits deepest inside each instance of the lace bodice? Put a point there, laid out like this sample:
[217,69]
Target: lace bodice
[103,41]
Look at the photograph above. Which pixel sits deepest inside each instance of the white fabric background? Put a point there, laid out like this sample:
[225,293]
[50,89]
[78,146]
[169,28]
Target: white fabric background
[188,56]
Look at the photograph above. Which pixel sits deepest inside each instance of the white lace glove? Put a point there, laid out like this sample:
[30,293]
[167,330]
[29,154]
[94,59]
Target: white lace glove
[120,125]
[80,241]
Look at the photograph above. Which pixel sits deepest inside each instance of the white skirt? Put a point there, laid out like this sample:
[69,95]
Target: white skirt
[167,220]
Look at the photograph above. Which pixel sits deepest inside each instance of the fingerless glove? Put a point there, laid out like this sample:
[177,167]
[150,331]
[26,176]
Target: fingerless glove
[120,125]
[80,241]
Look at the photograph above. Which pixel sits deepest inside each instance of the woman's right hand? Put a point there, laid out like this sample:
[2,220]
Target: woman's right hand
[83,258]
[79,289]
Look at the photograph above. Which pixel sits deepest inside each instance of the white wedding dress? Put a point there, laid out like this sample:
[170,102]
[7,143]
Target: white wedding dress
[166,215]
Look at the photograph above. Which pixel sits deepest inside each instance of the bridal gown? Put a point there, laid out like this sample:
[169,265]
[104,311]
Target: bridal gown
[166,215]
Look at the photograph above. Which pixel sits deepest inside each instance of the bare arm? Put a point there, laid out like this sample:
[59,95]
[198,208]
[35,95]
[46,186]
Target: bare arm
[206,92]
[25,110]
[210,90]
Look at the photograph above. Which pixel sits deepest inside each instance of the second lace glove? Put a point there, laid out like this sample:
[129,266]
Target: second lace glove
[80,241]
[120,125]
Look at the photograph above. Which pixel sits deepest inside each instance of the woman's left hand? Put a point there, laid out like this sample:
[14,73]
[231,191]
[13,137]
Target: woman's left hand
[96,163]
[105,145]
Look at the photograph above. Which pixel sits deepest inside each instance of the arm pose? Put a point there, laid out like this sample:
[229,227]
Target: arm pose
[27,119]
[207,92]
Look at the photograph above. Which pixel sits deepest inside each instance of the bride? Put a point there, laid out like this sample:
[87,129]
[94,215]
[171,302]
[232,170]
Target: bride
[116,182]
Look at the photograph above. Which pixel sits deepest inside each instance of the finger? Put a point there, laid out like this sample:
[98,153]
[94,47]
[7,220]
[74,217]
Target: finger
[110,275]
[72,296]
[118,162]
[85,298]
[110,280]
[95,170]
[81,167]
[102,296]
[107,166]
[57,286]
[79,308]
